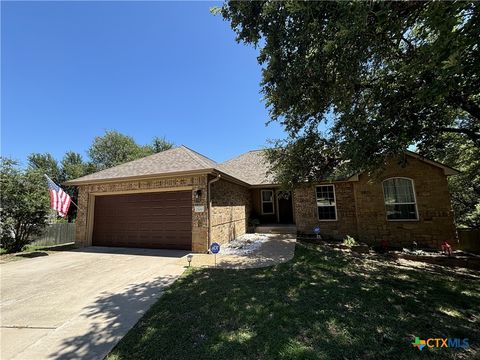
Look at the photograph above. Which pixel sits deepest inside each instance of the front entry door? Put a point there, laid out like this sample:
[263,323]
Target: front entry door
[285,207]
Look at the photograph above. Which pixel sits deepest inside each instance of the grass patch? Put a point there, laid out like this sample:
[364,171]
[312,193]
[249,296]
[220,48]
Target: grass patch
[33,251]
[60,247]
[321,305]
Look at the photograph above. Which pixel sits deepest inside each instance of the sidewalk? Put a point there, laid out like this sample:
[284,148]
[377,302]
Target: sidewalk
[279,248]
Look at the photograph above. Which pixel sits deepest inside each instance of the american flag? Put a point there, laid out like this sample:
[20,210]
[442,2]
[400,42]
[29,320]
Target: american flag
[59,199]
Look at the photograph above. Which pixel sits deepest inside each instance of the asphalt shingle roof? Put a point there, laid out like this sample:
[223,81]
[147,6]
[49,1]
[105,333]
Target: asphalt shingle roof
[179,159]
[250,167]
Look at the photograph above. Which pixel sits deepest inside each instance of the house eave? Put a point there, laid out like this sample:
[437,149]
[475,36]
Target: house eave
[230,178]
[326,181]
[268,185]
[447,170]
[140,177]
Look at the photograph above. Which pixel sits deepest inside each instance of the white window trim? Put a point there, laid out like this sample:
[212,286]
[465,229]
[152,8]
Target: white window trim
[334,199]
[408,203]
[268,202]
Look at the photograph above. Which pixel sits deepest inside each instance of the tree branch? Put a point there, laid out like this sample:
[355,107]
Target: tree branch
[472,135]
[466,105]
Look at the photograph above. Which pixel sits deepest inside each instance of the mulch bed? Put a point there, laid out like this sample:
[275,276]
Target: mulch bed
[457,259]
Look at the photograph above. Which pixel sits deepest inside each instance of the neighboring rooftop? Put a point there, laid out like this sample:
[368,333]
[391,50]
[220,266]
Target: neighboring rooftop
[251,167]
[176,160]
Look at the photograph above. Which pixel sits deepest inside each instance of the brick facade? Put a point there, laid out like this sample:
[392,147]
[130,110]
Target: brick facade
[361,209]
[230,211]
[436,220]
[305,203]
[199,219]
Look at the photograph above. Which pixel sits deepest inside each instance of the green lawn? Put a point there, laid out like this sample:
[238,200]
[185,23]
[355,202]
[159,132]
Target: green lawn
[32,251]
[321,305]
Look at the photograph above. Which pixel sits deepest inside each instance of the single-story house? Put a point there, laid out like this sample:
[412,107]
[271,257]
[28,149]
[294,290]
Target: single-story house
[180,199]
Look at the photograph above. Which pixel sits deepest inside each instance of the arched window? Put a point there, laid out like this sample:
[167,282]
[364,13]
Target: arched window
[400,200]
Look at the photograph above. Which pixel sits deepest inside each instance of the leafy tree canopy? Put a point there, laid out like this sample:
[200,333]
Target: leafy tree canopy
[373,77]
[464,188]
[73,166]
[115,148]
[47,164]
[160,144]
[291,160]
[24,205]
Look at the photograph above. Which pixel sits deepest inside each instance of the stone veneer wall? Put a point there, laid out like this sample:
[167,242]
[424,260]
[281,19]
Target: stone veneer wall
[361,209]
[230,211]
[199,219]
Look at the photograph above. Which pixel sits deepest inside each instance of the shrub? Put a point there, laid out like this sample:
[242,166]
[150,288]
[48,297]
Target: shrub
[24,205]
[253,222]
[349,241]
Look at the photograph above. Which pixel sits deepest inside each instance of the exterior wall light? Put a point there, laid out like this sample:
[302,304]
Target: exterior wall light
[197,195]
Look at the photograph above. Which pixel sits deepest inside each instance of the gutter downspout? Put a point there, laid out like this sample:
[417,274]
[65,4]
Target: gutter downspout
[210,208]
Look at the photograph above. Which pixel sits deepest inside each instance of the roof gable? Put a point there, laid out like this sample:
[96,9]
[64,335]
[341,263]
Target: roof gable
[447,170]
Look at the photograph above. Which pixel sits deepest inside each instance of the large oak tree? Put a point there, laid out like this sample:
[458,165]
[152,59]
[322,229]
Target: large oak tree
[355,82]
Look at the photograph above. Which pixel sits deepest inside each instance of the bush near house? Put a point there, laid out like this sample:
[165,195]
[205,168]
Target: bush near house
[24,205]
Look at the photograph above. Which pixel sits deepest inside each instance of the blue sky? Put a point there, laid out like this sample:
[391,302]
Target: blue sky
[70,71]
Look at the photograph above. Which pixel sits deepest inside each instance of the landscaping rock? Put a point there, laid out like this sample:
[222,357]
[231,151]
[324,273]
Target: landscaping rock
[245,244]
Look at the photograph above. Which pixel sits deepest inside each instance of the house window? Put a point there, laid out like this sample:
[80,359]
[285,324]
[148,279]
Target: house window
[400,201]
[326,205]
[267,202]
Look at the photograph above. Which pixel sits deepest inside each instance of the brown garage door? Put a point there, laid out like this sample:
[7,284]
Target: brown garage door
[150,220]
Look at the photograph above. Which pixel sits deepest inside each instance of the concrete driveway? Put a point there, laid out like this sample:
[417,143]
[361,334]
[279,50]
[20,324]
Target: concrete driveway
[80,303]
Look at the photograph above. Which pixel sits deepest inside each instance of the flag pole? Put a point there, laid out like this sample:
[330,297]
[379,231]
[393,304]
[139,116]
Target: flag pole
[73,203]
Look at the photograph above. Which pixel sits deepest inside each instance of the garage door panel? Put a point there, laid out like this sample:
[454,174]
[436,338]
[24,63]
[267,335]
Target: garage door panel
[153,220]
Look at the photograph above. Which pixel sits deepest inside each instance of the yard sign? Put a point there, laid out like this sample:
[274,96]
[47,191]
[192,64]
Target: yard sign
[215,248]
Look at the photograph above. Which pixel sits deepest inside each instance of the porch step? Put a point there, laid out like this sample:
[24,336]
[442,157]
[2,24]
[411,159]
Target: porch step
[276,229]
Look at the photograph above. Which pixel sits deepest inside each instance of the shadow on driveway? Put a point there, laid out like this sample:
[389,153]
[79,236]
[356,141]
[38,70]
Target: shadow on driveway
[109,318]
[84,300]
